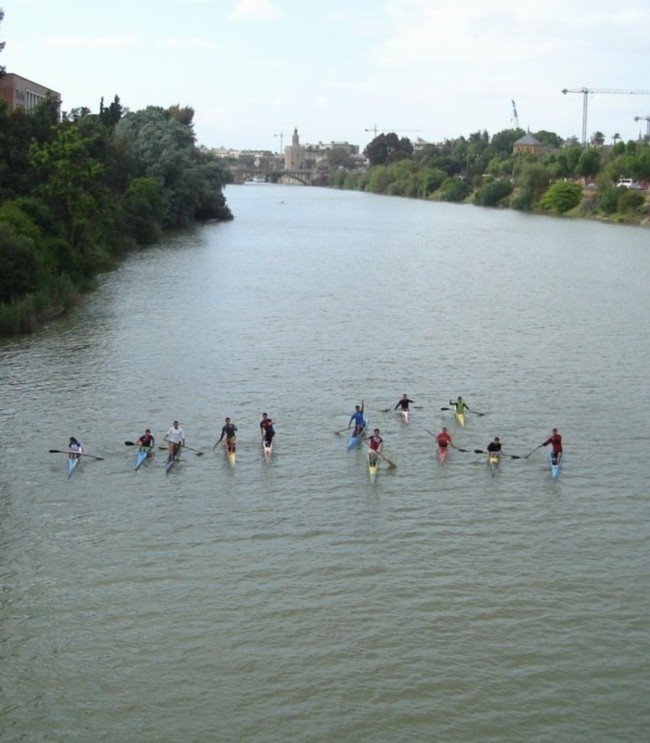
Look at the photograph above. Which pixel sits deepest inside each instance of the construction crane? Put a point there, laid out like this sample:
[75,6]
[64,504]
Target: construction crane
[647,124]
[585,100]
[515,118]
[375,129]
[281,135]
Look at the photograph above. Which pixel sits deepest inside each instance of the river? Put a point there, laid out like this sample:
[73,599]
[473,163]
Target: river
[293,600]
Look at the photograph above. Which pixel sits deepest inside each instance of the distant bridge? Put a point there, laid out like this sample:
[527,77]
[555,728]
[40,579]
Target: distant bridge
[302,177]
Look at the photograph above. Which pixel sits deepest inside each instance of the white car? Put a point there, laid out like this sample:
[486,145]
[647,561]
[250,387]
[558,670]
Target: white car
[628,183]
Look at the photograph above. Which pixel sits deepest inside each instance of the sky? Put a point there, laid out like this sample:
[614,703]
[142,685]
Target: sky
[339,70]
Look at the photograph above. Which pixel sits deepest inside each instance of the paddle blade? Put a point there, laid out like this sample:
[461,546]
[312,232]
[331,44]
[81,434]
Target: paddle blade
[199,453]
[479,451]
[129,443]
[56,451]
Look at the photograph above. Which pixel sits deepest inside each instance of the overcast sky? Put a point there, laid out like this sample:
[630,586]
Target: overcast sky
[253,69]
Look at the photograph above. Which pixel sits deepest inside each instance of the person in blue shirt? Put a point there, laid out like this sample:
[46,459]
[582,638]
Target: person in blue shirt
[358,419]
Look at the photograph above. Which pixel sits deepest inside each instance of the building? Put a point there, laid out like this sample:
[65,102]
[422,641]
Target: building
[528,143]
[295,155]
[21,93]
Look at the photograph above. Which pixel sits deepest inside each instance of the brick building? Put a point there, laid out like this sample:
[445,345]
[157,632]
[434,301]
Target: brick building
[26,94]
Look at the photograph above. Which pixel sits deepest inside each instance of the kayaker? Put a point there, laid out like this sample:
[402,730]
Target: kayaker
[358,419]
[403,403]
[229,431]
[494,447]
[146,441]
[460,405]
[444,439]
[267,430]
[75,448]
[175,437]
[555,440]
[375,445]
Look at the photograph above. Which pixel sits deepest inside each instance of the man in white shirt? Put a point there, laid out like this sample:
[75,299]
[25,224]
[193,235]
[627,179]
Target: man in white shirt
[176,438]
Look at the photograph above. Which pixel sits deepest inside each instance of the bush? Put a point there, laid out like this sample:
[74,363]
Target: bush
[21,268]
[454,189]
[491,193]
[561,197]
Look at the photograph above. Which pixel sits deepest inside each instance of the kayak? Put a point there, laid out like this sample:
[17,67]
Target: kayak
[404,414]
[460,419]
[356,440]
[555,468]
[232,455]
[171,461]
[493,463]
[267,449]
[442,454]
[72,465]
[372,469]
[140,457]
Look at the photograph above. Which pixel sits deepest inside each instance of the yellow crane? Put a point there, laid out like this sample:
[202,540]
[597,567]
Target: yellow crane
[586,92]
[376,129]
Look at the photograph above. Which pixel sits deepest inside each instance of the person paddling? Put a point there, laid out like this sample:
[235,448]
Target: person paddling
[460,406]
[175,437]
[75,448]
[403,403]
[555,440]
[444,440]
[229,430]
[146,441]
[267,430]
[358,419]
[375,446]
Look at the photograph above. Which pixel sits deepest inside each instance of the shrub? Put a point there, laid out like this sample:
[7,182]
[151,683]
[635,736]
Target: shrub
[561,197]
[491,193]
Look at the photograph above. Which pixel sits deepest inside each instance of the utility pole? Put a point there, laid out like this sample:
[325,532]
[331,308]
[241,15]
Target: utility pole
[281,135]
[585,102]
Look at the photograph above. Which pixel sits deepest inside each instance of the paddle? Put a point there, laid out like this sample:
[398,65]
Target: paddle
[391,465]
[467,409]
[338,433]
[500,453]
[535,449]
[76,454]
[396,410]
[185,446]
[453,445]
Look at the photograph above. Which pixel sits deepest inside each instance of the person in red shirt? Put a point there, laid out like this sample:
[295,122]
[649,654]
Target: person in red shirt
[444,439]
[375,444]
[555,440]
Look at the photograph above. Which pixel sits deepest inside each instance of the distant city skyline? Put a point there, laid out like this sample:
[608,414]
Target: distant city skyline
[255,69]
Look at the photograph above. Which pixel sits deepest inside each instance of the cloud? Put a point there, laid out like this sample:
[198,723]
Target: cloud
[255,10]
[93,42]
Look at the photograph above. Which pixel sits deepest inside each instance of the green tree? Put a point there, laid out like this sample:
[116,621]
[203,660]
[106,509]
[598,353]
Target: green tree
[163,147]
[2,43]
[597,139]
[561,197]
[588,164]
[388,148]
[21,268]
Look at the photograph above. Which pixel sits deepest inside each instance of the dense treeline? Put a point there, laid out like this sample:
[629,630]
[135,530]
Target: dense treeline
[76,193]
[562,178]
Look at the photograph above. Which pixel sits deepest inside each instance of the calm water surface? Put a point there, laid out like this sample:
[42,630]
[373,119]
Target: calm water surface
[294,600]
